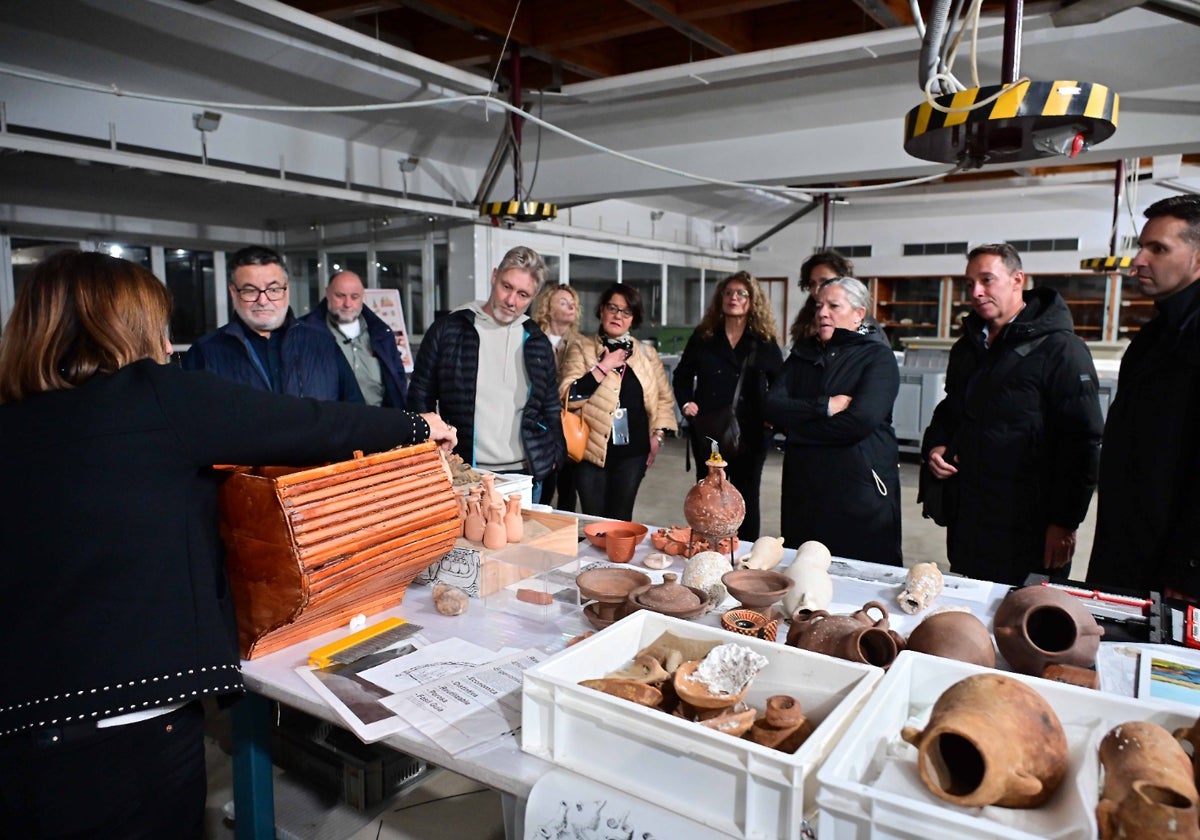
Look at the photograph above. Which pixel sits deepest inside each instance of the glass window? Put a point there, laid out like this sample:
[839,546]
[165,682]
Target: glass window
[139,254]
[647,279]
[189,276]
[306,281]
[26,253]
[590,276]
[401,270]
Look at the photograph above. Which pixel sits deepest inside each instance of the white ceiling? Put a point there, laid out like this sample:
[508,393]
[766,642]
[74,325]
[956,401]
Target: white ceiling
[819,113]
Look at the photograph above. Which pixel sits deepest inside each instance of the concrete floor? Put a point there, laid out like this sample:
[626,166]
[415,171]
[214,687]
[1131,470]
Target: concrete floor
[451,806]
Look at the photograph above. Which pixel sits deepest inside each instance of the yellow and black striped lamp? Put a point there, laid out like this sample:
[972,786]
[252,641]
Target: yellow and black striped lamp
[519,211]
[1026,121]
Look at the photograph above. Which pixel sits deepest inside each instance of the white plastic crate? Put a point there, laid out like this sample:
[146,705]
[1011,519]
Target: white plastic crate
[870,785]
[731,784]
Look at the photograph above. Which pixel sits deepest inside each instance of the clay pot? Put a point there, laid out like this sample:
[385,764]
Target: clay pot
[714,507]
[1149,790]
[495,535]
[757,589]
[1038,625]
[620,543]
[857,637]
[514,523]
[750,623]
[782,727]
[697,695]
[954,635]
[991,740]
[669,598]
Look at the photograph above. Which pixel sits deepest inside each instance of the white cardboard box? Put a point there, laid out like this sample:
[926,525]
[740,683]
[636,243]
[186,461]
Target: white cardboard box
[870,785]
[731,784]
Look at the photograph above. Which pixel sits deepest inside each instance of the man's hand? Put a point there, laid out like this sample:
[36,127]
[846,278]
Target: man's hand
[938,465]
[838,404]
[1060,547]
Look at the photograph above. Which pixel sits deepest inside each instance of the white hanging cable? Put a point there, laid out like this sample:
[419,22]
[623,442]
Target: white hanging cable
[488,101]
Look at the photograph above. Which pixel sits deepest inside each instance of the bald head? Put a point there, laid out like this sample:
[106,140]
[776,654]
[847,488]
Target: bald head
[344,294]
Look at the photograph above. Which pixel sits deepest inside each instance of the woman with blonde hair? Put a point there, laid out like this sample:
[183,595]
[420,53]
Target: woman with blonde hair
[113,569]
[735,340]
[556,311]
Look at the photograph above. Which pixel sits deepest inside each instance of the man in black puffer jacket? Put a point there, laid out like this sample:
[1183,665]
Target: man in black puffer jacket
[1019,430]
[490,371]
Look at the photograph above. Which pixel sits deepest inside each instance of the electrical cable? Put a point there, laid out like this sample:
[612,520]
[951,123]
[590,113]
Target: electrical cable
[487,100]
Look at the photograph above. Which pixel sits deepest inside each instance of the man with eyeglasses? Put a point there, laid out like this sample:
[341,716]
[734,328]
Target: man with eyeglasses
[264,345]
[489,370]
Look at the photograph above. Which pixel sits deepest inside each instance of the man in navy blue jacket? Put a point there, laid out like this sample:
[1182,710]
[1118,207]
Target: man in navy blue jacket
[368,344]
[264,345]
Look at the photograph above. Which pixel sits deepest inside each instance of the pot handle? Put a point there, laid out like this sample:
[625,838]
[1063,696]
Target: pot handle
[882,622]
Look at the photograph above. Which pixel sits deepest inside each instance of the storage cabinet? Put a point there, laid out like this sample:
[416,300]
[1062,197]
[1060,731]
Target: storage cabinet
[1105,307]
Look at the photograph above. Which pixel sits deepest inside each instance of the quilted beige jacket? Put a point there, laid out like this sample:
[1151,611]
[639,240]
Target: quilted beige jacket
[598,409]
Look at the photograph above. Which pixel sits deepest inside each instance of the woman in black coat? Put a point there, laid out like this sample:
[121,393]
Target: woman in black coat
[114,580]
[834,396]
[737,331]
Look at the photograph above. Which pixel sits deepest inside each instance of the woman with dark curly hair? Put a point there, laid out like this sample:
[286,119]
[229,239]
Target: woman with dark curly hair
[737,333]
[821,266]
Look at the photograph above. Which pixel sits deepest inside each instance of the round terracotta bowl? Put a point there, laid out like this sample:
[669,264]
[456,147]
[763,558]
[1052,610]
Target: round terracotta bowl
[596,531]
[670,598]
[757,588]
[696,694]
[609,585]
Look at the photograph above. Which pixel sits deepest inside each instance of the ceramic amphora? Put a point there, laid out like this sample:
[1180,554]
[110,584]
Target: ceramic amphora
[858,637]
[1149,791]
[714,507]
[1039,625]
[991,740]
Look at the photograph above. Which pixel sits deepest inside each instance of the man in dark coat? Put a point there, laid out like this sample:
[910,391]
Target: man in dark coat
[1019,431]
[264,345]
[368,344]
[1147,535]
[490,371]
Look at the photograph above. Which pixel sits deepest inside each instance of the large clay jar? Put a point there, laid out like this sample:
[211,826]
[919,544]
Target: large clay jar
[1192,736]
[991,740]
[954,635]
[1039,626]
[857,637]
[714,507]
[1149,791]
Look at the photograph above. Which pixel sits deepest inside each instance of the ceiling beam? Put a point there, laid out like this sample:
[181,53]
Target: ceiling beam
[705,36]
[889,14]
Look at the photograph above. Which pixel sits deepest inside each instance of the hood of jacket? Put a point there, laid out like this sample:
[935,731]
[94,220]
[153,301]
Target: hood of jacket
[1045,312]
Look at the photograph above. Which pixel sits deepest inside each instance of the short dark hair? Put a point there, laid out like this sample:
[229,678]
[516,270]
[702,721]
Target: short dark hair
[633,299]
[1007,254]
[1185,207]
[838,264]
[253,255]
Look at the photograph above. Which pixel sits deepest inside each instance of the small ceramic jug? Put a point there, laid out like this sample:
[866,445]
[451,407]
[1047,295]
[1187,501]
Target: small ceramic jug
[991,740]
[856,637]
[714,507]
[514,523]
[473,524]
[922,584]
[782,727]
[1149,791]
[813,589]
[495,535]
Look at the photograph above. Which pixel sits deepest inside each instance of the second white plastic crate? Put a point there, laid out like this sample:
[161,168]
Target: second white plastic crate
[870,785]
[731,784]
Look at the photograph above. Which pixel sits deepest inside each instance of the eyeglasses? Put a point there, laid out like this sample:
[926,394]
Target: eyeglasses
[250,294]
[613,309]
[740,294]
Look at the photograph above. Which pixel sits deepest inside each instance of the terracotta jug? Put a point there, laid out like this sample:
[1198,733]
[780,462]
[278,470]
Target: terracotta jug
[782,727]
[1038,626]
[473,524]
[991,740]
[1149,791]
[495,535]
[714,507]
[856,637]
[954,635]
[514,523]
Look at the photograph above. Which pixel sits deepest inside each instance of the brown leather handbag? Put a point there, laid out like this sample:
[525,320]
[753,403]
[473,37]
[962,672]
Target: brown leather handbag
[575,430]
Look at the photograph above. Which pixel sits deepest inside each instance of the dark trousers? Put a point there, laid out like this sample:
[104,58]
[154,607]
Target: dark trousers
[611,490]
[141,780]
[744,472]
[559,489]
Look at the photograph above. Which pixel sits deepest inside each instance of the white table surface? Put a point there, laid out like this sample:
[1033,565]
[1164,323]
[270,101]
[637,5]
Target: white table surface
[500,764]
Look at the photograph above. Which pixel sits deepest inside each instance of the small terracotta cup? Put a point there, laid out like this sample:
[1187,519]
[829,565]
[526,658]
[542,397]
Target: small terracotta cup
[620,544]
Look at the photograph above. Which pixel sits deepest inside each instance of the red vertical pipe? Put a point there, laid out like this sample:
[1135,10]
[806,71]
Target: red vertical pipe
[514,56]
[1011,63]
